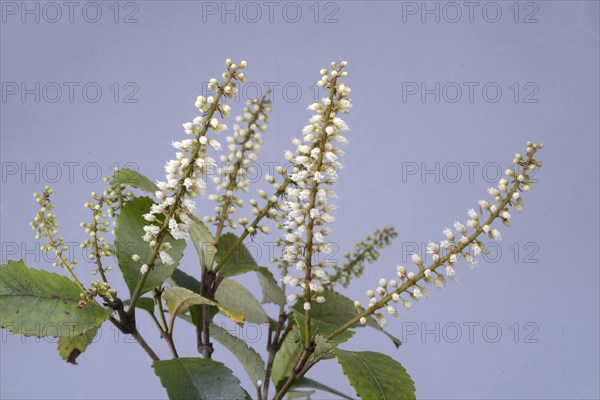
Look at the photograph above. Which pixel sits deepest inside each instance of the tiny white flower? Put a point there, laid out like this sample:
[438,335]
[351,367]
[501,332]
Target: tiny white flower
[448,233]
[416,259]
[166,258]
[391,310]
[149,217]
[417,292]
[473,214]
[292,298]
[460,228]
[495,234]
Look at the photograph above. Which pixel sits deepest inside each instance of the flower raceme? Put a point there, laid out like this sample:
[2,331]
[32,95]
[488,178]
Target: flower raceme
[244,145]
[458,242]
[184,174]
[314,172]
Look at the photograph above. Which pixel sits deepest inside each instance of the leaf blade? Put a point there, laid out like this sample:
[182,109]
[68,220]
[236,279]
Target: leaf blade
[179,299]
[134,179]
[246,355]
[129,229]
[46,300]
[70,348]
[241,262]
[198,378]
[375,376]
[286,357]
[204,242]
[232,295]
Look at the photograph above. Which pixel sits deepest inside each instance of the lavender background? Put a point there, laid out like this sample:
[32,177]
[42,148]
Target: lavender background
[545,278]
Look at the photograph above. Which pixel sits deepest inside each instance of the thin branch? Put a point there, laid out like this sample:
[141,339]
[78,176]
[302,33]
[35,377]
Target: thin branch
[165,332]
[136,334]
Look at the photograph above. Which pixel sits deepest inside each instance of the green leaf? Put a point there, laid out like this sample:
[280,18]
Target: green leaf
[234,296]
[321,328]
[287,357]
[144,303]
[180,278]
[70,348]
[204,242]
[41,303]
[246,355]
[272,293]
[185,280]
[134,179]
[198,378]
[311,384]
[180,299]
[241,261]
[129,229]
[375,375]
[338,309]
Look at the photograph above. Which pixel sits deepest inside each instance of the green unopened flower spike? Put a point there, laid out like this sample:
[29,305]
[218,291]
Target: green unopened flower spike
[45,225]
[366,251]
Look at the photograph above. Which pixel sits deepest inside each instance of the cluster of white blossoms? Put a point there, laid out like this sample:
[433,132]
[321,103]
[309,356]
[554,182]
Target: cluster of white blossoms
[184,174]
[462,241]
[232,176]
[314,170]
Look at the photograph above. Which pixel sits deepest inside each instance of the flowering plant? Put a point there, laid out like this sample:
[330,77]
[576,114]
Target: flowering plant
[314,320]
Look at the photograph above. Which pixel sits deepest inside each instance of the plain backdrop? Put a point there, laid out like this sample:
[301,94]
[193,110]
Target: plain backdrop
[444,94]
